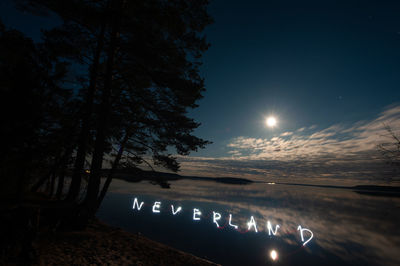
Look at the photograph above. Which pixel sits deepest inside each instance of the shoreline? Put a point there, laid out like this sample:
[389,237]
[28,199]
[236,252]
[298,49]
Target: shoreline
[102,244]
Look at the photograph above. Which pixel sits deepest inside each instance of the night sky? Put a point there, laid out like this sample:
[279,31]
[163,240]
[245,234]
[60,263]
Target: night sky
[307,62]
[328,71]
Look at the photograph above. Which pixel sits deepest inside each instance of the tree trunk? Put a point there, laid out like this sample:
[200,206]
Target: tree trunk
[60,184]
[85,131]
[100,143]
[61,160]
[46,177]
[52,184]
[112,171]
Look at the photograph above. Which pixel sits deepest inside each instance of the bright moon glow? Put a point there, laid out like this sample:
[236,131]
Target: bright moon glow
[273,254]
[271,121]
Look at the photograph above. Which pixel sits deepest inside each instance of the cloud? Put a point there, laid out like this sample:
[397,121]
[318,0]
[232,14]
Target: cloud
[336,141]
[284,134]
[341,151]
[313,127]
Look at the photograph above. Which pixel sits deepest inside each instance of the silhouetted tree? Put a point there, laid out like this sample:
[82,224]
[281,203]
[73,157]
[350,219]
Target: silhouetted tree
[160,50]
[79,39]
[140,62]
[391,149]
[34,102]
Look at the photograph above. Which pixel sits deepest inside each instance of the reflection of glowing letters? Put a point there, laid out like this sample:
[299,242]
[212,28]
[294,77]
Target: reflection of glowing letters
[156,206]
[216,216]
[270,230]
[136,203]
[230,222]
[177,210]
[301,234]
[195,213]
[251,223]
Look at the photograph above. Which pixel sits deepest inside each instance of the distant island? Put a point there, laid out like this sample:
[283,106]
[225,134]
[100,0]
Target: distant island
[372,190]
[162,178]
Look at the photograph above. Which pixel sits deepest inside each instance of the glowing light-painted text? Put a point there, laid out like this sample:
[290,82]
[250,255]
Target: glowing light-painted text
[196,212]
[136,203]
[270,230]
[156,207]
[302,235]
[177,210]
[230,222]
[252,223]
[216,217]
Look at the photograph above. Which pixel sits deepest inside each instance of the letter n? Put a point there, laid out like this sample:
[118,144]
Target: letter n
[136,203]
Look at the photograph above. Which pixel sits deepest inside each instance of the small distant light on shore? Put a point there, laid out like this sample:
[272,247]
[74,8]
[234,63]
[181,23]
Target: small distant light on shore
[271,183]
[273,254]
[87,171]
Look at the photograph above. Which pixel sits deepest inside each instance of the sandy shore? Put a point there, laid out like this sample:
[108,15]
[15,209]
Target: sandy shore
[101,244]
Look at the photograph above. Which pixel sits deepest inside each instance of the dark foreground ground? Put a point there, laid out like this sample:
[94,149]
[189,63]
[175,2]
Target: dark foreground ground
[101,244]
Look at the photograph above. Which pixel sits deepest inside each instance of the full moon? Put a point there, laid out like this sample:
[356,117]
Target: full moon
[271,121]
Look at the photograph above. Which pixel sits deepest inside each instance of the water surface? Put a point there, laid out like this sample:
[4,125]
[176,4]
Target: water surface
[348,228]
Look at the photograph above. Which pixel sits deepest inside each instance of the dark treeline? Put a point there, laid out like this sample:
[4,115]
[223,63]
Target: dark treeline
[109,87]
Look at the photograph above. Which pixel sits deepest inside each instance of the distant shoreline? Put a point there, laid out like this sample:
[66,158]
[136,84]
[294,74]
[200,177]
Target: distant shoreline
[161,178]
[362,189]
[135,175]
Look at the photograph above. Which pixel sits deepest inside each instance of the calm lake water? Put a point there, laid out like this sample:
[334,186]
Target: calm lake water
[348,228]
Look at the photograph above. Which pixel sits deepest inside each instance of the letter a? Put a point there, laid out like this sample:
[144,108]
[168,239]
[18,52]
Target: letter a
[251,223]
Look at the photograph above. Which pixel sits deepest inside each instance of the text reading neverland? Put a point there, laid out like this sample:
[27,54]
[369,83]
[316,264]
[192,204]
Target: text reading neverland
[305,234]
